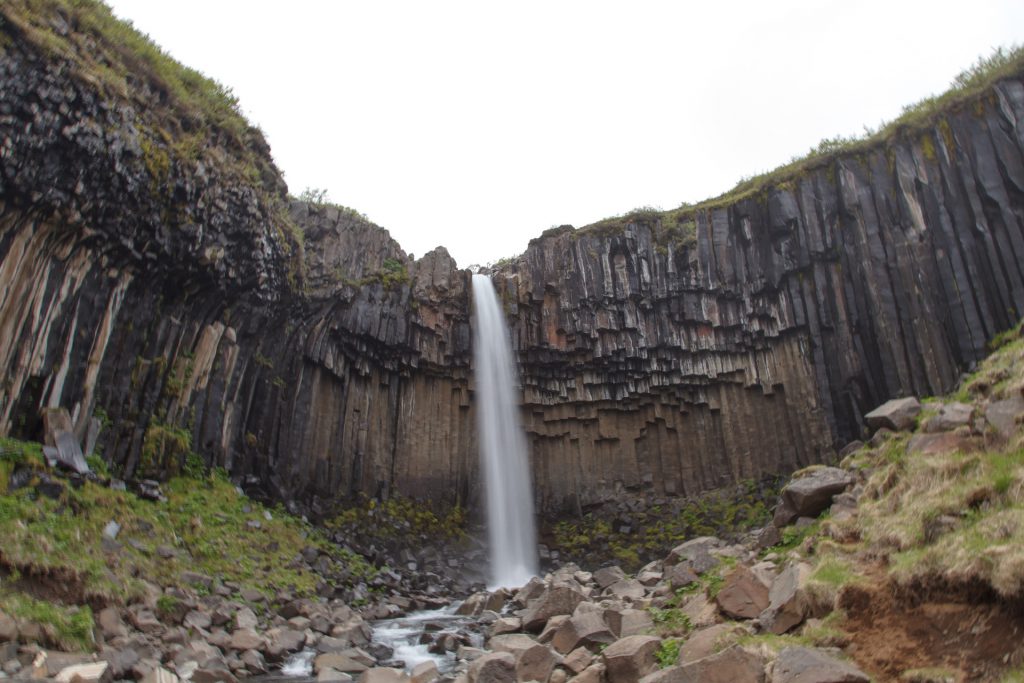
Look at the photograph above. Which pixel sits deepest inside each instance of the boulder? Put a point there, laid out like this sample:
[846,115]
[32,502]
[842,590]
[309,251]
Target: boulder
[586,629]
[950,416]
[339,662]
[246,618]
[93,672]
[556,600]
[504,625]
[808,665]
[680,576]
[513,643]
[788,605]
[9,628]
[595,673]
[1004,415]
[159,675]
[254,662]
[197,620]
[707,641]
[283,642]
[700,611]
[333,676]
[246,639]
[382,675]
[938,443]
[629,622]
[496,667]
[742,595]
[578,660]
[217,675]
[631,658]
[551,628]
[809,495]
[606,576]
[631,589]
[697,552]
[897,414]
[424,672]
[733,665]
[536,663]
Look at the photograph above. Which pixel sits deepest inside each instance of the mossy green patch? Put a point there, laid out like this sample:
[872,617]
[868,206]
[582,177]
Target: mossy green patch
[70,628]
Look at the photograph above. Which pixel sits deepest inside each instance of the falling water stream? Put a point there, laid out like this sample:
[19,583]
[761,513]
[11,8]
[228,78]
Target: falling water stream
[512,539]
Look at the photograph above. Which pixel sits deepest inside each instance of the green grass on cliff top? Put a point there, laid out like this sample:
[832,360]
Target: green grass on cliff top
[968,86]
[211,527]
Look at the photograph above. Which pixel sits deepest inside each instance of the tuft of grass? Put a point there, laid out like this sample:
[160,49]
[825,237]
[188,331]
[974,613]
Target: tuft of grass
[213,528]
[668,652]
[69,628]
[670,621]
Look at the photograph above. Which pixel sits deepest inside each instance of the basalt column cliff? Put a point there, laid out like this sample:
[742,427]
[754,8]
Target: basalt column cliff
[156,281]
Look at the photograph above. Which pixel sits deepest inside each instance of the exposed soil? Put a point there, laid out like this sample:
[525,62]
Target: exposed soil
[965,629]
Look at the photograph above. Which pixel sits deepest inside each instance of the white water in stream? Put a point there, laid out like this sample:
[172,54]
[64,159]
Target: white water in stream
[512,539]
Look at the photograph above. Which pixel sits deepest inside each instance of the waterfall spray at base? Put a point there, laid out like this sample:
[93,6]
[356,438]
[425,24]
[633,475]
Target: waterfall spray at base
[513,544]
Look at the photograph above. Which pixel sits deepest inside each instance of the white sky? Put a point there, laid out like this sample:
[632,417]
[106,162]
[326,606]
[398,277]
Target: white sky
[476,125]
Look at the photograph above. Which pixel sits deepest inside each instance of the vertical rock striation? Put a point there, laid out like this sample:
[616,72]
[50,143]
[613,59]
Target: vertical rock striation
[154,273]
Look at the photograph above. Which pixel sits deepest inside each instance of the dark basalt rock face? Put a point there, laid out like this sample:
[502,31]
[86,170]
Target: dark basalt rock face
[172,291]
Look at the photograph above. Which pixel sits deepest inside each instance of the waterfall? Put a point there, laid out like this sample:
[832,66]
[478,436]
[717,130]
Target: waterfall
[511,535]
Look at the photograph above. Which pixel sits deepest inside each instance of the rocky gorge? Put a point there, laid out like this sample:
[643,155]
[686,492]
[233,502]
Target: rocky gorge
[237,427]
[156,274]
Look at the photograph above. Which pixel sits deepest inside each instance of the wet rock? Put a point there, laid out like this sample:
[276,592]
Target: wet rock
[811,494]
[339,662]
[254,662]
[424,672]
[629,659]
[898,414]
[742,595]
[808,665]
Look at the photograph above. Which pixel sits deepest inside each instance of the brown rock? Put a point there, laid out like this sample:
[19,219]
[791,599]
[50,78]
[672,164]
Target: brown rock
[586,629]
[110,623]
[631,658]
[382,675]
[92,672]
[496,667]
[742,596]
[606,576]
[629,622]
[808,665]
[339,662]
[734,665]
[700,611]
[513,643]
[8,628]
[788,605]
[536,663]
[706,641]
[424,672]
[950,417]
[578,660]
[810,494]
[696,551]
[1004,415]
[897,414]
[595,673]
[556,600]
[626,589]
[504,625]
[246,639]
[254,662]
[936,444]
[159,675]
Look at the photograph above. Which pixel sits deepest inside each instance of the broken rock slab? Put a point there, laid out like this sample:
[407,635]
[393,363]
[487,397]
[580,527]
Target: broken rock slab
[898,414]
[808,665]
[810,494]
